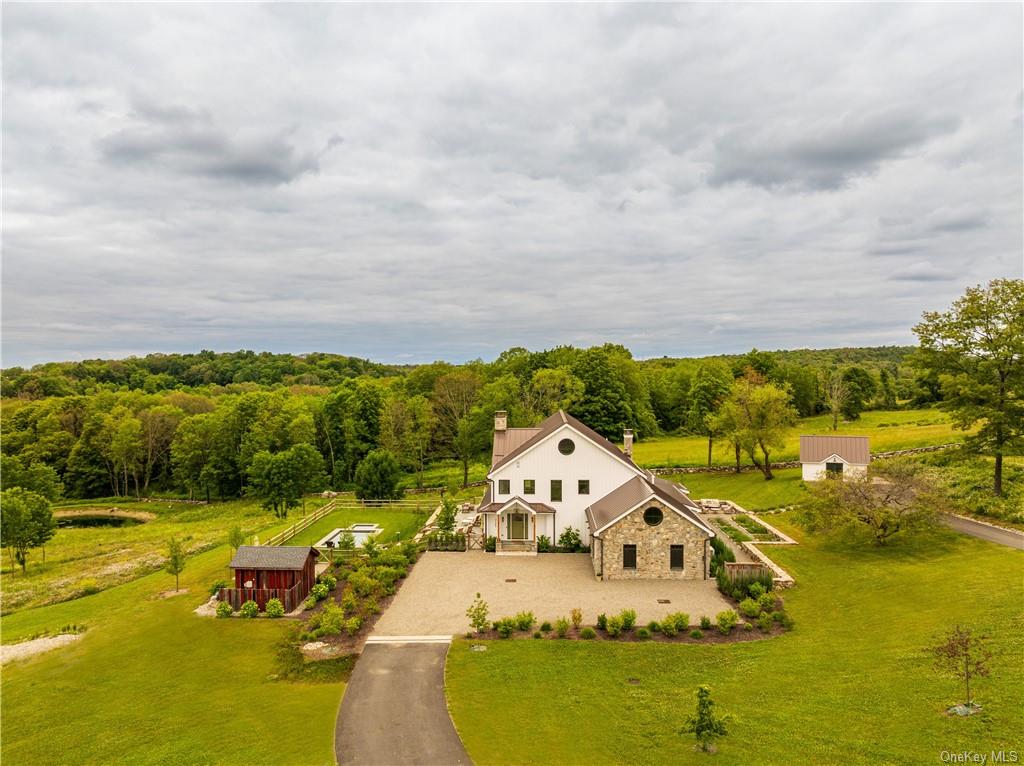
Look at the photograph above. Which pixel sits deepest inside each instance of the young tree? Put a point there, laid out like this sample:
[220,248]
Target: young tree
[837,394]
[477,614]
[705,724]
[894,496]
[965,655]
[235,538]
[377,477]
[757,415]
[708,389]
[446,516]
[25,523]
[175,563]
[977,350]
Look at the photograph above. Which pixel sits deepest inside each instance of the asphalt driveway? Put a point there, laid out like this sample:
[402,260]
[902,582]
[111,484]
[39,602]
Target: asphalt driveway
[434,599]
[394,710]
[1008,537]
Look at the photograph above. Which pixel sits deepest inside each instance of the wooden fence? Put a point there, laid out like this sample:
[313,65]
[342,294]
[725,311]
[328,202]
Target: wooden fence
[290,597]
[302,524]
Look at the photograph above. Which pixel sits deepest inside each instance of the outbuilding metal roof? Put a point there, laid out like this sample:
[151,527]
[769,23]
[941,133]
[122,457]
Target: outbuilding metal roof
[272,557]
[852,449]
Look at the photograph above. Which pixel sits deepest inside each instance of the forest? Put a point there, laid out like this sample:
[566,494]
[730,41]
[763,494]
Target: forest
[210,425]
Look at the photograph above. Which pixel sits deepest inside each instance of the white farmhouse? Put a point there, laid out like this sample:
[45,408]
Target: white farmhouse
[821,456]
[562,474]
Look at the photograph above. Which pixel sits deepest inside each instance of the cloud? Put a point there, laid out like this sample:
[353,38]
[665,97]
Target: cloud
[410,183]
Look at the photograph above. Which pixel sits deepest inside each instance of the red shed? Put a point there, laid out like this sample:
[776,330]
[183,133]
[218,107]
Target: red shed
[263,572]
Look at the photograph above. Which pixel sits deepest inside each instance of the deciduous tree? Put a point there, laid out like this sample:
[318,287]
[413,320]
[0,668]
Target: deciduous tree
[25,523]
[963,653]
[708,389]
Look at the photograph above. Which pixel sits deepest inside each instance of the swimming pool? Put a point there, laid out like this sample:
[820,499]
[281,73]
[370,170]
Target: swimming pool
[360,532]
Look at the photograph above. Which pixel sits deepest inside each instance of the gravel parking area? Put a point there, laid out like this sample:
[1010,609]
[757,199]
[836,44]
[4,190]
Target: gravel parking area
[434,599]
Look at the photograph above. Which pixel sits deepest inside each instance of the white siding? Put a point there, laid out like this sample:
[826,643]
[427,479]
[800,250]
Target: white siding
[816,471]
[544,462]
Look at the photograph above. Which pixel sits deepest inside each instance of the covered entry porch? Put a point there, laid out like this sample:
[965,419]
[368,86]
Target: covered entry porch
[516,525]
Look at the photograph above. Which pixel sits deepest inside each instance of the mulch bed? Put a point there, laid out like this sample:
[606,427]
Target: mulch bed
[711,636]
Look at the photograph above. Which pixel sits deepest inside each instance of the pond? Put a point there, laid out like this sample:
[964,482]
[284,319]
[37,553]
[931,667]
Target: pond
[99,520]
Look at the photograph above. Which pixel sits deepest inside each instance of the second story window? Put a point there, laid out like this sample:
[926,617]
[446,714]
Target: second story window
[529,486]
[556,490]
[584,487]
[503,487]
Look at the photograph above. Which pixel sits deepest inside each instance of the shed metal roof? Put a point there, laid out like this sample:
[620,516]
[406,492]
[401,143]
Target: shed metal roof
[852,449]
[272,557]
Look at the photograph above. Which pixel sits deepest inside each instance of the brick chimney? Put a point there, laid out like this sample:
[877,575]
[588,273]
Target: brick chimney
[500,420]
[627,442]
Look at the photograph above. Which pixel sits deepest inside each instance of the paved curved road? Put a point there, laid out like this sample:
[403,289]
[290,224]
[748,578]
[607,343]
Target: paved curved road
[985,531]
[394,711]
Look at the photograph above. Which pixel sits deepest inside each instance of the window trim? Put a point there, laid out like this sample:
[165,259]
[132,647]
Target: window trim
[529,486]
[556,483]
[566,446]
[661,515]
[583,486]
[504,487]
[625,548]
[682,557]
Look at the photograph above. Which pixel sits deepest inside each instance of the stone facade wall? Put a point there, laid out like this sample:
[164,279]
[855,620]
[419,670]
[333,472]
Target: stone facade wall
[652,547]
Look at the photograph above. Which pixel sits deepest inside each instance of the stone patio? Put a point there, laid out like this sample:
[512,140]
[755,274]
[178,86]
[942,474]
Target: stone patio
[434,599]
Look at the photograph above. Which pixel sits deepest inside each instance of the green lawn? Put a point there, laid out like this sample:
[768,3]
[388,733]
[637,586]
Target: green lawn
[395,525]
[101,557]
[152,683]
[748,489]
[888,430]
[853,683]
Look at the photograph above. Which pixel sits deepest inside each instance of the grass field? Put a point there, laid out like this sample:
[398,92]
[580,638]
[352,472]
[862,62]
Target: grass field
[395,525]
[888,430]
[152,683]
[96,558]
[853,683]
[748,489]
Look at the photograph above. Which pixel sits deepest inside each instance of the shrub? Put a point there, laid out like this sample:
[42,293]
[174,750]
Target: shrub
[224,609]
[88,586]
[371,606]
[332,620]
[543,544]
[696,633]
[750,608]
[377,476]
[388,576]
[371,547]
[738,587]
[766,601]
[613,626]
[756,590]
[364,585]
[628,617]
[576,615]
[668,627]
[764,622]
[747,626]
[446,541]
[524,620]
[491,544]
[213,588]
[352,625]
[275,608]
[249,609]
[643,634]
[310,602]
[562,627]
[537,634]
[705,623]
[545,626]
[348,601]
[602,621]
[653,627]
[505,626]
[319,591]
[477,614]
[570,540]
[679,620]
[588,634]
[328,580]
[727,621]
[395,559]
[778,615]
[787,622]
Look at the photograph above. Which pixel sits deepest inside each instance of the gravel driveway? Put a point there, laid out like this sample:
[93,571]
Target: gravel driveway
[442,585]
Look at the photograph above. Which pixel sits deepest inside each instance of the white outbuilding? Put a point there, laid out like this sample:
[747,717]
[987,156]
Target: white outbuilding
[834,455]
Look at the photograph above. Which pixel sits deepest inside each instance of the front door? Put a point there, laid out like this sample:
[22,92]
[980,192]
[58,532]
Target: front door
[517,526]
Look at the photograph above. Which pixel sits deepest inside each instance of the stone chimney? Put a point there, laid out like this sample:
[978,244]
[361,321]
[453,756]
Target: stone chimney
[627,442]
[500,420]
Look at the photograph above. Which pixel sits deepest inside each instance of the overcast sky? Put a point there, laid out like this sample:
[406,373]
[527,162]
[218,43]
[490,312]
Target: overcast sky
[408,183]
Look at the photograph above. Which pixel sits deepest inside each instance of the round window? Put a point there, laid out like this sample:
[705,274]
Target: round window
[566,446]
[653,516]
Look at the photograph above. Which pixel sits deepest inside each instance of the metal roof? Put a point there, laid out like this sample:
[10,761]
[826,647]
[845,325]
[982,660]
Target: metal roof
[272,557]
[852,449]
